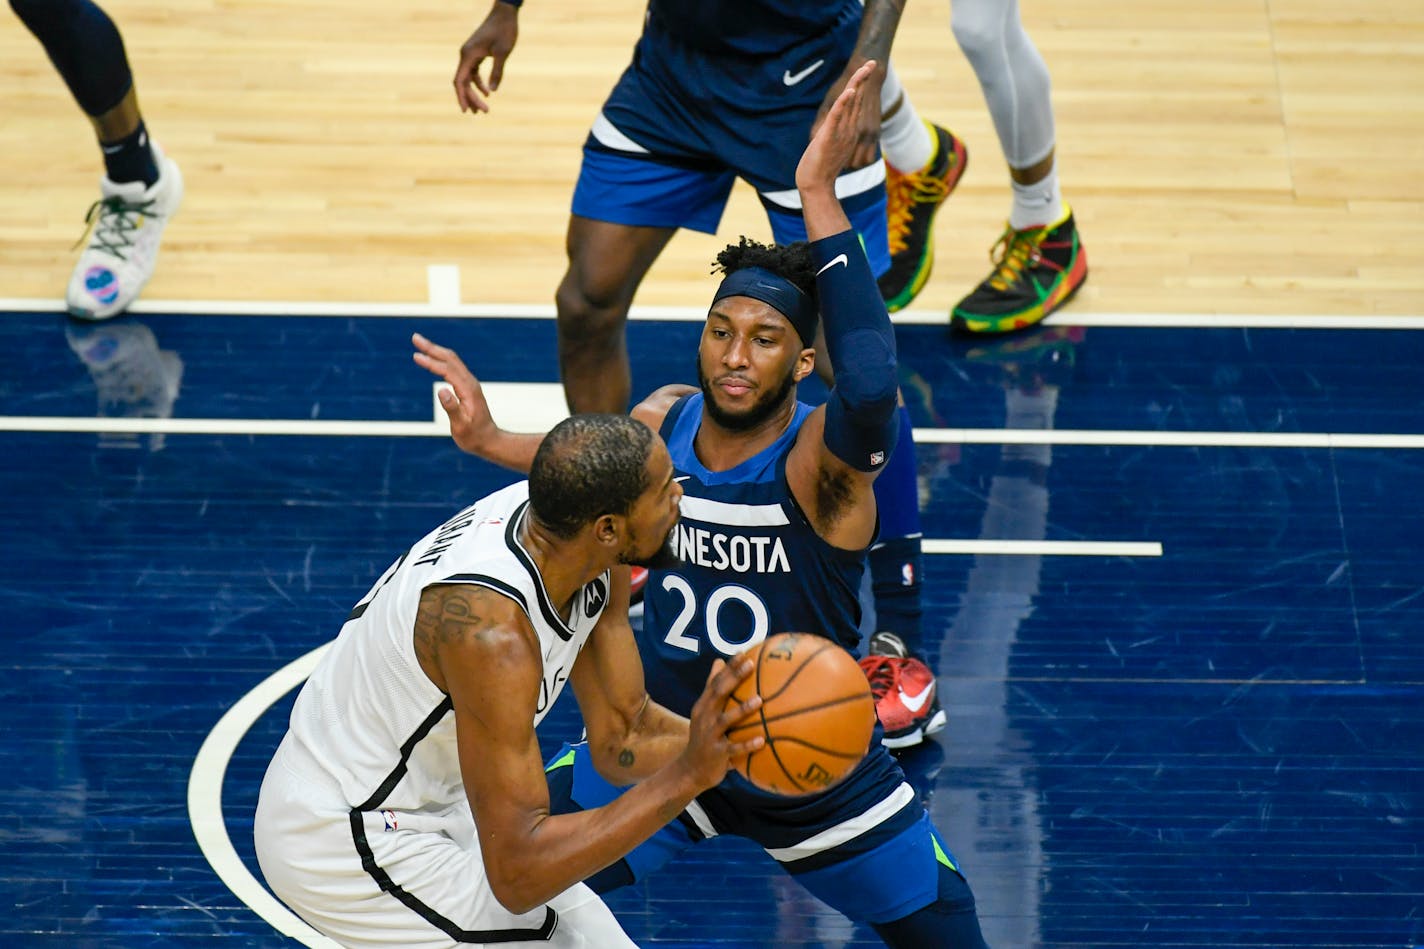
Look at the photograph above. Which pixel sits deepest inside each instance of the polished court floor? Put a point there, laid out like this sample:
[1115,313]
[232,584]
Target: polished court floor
[1178,619]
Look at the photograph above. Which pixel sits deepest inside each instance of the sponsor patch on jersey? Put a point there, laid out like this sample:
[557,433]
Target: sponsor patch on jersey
[594,596]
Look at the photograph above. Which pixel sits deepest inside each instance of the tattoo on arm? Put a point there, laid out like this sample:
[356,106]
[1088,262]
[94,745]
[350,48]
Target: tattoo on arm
[446,617]
[877,30]
[626,758]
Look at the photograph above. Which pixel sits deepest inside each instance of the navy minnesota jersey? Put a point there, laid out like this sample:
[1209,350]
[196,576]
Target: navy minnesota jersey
[752,566]
[750,27]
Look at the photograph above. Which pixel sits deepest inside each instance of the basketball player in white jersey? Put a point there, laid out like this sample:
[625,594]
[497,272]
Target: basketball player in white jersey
[407,805]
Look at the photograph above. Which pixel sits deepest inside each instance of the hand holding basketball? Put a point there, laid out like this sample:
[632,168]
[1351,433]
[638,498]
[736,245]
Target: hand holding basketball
[817,715]
[711,746]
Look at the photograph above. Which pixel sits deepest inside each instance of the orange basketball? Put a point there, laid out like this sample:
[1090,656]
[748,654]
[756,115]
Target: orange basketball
[817,714]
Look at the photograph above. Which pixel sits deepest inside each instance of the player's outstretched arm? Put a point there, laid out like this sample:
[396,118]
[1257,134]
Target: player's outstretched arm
[493,39]
[846,442]
[479,648]
[471,424]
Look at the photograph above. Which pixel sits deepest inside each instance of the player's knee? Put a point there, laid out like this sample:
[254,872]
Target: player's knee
[589,314]
[977,27]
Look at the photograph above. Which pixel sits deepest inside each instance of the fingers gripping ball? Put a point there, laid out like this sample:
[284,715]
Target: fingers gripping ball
[817,714]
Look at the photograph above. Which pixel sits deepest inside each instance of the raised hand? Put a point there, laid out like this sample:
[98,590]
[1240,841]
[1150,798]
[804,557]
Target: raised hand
[493,39]
[834,143]
[464,402]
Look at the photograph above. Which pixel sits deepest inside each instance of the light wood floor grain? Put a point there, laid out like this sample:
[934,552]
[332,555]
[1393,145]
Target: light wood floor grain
[1234,156]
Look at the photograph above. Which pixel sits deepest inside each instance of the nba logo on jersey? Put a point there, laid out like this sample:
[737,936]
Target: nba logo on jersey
[390,818]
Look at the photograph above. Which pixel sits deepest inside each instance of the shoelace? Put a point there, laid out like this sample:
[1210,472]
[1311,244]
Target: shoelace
[1014,252]
[113,222]
[883,673]
[902,193]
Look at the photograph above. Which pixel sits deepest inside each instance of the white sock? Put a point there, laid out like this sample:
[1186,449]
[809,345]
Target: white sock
[1037,204]
[904,138]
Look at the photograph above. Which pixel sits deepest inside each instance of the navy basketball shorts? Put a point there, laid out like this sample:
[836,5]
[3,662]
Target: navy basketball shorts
[866,847]
[682,125]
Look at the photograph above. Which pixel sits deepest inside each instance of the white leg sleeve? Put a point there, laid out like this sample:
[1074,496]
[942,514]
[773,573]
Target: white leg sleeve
[1011,72]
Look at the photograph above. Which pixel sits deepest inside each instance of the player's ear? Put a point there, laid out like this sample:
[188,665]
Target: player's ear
[805,364]
[608,529]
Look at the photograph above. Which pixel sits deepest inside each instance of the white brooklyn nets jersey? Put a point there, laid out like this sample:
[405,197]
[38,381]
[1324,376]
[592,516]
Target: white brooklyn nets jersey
[370,717]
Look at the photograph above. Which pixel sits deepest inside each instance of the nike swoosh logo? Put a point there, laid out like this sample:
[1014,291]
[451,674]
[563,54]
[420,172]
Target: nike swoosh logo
[792,79]
[838,259]
[916,702]
[682,478]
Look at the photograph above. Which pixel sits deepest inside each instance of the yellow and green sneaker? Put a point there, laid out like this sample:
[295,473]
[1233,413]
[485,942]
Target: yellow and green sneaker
[911,202]
[1036,270]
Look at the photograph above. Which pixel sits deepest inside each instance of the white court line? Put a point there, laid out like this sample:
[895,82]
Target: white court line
[219,426]
[442,284]
[683,314]
[205,811]
[1160,439]
[527,407]
[1049,548]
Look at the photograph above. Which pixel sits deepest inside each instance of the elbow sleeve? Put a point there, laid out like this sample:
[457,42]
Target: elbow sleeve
[862,426]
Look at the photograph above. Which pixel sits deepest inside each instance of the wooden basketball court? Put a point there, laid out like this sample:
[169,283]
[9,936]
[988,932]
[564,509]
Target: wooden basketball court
[1221,156]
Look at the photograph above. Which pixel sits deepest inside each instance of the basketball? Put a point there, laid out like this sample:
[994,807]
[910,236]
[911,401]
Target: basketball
[817,714]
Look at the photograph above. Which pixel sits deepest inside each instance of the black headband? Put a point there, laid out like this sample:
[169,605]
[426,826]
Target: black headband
[778,292]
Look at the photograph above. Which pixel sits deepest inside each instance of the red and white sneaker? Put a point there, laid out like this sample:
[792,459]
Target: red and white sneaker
[638,581]
[906,700]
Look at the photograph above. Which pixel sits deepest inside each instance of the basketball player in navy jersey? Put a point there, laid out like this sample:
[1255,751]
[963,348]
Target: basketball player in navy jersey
[777,514]
[718,90]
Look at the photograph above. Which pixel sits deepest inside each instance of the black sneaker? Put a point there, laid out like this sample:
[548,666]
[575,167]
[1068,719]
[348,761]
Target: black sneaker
[1036,270]
[911,201]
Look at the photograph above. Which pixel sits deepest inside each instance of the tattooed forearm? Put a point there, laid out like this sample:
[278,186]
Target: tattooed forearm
[877,28]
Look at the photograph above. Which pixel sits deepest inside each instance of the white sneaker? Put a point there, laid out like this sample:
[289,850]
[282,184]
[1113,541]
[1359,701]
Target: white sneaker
[126,224]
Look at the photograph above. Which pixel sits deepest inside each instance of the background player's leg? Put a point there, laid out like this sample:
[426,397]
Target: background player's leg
[1040,263]
[607,262]
[923,164]
[906,692]
[141,188]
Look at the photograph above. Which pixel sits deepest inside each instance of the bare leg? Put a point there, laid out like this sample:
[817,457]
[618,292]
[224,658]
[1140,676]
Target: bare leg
[119,122]
[607,262]
[1034,173]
